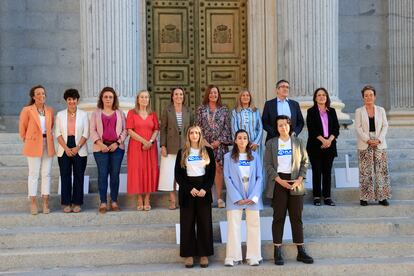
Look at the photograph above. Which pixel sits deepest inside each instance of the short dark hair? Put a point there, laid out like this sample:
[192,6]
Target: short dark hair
[283,117]
[281,81]
[172,93]
[328,99]
[115,104]
[207,93]
[368,87]
[71,93]
[32,93]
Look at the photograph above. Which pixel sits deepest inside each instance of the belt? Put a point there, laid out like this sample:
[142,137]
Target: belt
[44,135]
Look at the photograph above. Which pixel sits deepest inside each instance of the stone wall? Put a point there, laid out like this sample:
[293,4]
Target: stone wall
[39,44]
[363,50]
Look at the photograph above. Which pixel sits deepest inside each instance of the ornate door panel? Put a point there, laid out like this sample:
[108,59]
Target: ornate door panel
[194,43]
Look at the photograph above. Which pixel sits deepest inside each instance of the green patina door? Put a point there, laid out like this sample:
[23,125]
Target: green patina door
[195,43]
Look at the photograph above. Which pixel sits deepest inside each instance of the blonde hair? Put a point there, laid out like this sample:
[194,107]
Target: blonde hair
[201,145]
[136,108]
[238,106]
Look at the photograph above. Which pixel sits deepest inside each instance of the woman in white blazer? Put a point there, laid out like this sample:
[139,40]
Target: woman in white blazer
[371,127]
[72,132]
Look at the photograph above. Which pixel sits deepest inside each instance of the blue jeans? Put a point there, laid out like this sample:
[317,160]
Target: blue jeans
[109,163]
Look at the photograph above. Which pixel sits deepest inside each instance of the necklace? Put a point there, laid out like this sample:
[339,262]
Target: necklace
[211,119]
[72,114]
[41,111]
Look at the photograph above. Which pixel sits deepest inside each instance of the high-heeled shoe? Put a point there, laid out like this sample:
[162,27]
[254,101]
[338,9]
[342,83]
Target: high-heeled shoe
[147,206]
[46,209]
[33,209]
[172,205]
[140,205]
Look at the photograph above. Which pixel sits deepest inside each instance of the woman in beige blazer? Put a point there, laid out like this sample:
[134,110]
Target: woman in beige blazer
[35,128]
[176,118]
[72,131]
[371,127]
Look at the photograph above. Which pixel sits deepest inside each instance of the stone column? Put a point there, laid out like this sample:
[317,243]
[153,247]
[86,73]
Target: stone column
[262,49]
[308,49]
[401,58]
[113,49]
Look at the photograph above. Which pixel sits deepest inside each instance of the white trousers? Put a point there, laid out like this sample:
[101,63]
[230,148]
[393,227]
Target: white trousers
[253,241]
[36,165]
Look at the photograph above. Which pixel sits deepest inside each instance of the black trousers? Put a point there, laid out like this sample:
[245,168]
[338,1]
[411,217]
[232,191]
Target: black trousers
[282,202]
[67,166]
[321,172]
[196,228]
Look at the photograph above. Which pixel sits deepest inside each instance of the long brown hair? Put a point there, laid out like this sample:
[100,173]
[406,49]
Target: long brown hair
[207,93]
[201,145]
[115,104]
[235,153]
[32,93]
[148,108]
[238,106]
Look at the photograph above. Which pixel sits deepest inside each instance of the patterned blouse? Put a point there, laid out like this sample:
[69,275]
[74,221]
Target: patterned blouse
[250,121]
[215,126]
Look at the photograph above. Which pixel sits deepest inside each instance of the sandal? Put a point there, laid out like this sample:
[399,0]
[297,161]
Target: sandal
[67,209]
[172,206]
[33,209]
[147,205]
[140,205]
[102,208]
[77,209]
[115,207]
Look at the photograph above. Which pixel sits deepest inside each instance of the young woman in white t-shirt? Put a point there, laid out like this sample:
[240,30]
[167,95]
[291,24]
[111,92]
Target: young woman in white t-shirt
[286,162]
[194,172]
[243,178]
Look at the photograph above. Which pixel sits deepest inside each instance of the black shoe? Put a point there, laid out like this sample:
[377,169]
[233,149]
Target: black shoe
[278,256]
[317,202]
[384,202]
[363,202]
[329,202]
[302,256]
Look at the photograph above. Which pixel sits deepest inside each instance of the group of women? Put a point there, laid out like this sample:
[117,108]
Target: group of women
[197,150]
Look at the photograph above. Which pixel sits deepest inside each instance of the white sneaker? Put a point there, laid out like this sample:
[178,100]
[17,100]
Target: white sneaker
[228,262]
[221,203]
[253,262]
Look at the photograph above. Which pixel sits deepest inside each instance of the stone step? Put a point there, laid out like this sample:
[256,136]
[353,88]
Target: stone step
[57,236]
[90,217]
[401,266]
[18,201]
[135,253]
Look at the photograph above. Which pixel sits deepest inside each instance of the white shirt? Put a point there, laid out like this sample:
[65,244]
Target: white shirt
[284,156]
[195,163]
[244,167]
[43,123]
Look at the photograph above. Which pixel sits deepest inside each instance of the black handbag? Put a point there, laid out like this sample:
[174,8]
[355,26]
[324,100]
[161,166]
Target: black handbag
[299,190]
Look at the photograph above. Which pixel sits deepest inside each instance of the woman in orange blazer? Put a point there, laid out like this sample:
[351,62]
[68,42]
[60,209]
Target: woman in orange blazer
[35,128]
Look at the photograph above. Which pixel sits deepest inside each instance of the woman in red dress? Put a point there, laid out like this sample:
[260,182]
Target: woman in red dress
[143,127]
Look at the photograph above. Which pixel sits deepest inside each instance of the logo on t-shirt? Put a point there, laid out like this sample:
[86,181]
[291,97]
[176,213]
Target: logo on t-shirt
[194,158]
[244,163]
[284,152]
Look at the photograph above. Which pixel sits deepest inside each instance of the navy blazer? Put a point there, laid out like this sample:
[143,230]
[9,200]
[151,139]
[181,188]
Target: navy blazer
[270,113]
[314,124]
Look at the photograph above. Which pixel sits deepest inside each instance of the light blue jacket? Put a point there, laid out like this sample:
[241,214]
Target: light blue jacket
[234,186]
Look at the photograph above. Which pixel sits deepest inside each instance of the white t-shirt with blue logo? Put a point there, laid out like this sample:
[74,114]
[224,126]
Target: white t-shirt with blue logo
[244,167]
[195,164]
[284,156]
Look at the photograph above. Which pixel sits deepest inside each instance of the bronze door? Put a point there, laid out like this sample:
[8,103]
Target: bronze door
[195,43]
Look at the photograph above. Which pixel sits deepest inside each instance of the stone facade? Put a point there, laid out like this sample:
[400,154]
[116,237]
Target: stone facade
[40,42]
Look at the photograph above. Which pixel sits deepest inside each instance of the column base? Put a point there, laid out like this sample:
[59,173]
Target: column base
[401,118]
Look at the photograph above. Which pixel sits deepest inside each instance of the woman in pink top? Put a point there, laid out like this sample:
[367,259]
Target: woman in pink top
[323,130]
[108,133]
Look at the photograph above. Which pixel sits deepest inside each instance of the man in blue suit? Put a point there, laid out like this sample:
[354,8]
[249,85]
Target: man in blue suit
[282,105]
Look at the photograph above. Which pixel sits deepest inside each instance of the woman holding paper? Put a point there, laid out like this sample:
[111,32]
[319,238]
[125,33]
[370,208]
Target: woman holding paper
[323,130]
[371,127]
[175,120]
[243,178]
[194,172]
[286,162]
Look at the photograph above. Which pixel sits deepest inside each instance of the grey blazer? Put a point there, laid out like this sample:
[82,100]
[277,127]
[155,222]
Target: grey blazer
[300,161]
[170,136]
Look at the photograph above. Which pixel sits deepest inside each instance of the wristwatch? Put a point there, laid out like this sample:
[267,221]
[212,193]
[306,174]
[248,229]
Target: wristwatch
[151,141]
